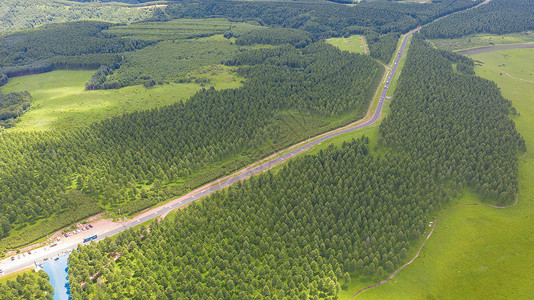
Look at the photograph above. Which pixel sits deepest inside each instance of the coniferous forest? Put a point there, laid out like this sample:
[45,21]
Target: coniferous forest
[496,17]
[304,230]
[111,160]
[12,106]
[325,219]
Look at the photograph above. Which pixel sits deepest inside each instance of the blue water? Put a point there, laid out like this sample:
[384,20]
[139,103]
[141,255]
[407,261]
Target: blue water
[57,270]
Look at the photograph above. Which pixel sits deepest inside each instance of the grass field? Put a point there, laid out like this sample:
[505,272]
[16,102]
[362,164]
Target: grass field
[61,102]
[352,44]
[483,40]
[480,252]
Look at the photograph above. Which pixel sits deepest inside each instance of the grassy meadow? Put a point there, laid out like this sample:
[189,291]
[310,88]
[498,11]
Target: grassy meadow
[479,252]
[483,40]
[352,44]
[61,102]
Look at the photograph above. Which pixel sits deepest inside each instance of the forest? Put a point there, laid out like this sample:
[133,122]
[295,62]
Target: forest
[76,45]
[326,19]
[133,161]
[20,14]
[449,119]
[275,36]
[496,17]
[12,106]
[324,220]
[32,285]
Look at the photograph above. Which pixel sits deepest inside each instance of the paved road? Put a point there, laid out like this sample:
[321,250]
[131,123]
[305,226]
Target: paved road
[40,254]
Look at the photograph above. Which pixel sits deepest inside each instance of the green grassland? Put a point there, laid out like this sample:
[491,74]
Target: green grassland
[479,252]
[179,29]
[352,44]
[483,40]
[61,102]
[170,61]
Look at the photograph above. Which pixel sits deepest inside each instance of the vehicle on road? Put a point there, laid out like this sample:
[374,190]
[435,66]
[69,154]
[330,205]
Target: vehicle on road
[90,226]
[88,239]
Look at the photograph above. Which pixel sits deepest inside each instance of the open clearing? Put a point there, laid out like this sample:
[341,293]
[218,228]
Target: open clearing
[480,252]
[61,102]
[494,48]
[352,44]
[483,40]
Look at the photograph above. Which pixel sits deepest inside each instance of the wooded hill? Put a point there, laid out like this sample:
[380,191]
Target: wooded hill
[326,219]
[133,161]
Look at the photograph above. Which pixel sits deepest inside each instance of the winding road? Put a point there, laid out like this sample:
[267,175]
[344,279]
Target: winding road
[40,254]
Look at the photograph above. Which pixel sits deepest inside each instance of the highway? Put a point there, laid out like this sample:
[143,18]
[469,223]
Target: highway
[40,254]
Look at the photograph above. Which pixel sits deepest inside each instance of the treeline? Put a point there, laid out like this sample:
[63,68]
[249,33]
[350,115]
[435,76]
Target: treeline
[133,161]
[423,12]
[99,80]
[457,122]
[12,106]
[306,232]
[275,36]
[3,79]
[33,285]
[495,17]
[382,46]
[76,45]
[323,19]
[19,14]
